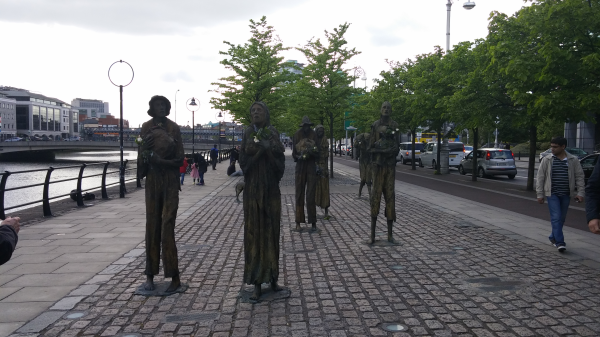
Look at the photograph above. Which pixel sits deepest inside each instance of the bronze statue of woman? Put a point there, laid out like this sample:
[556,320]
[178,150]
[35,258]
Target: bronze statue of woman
[263,162]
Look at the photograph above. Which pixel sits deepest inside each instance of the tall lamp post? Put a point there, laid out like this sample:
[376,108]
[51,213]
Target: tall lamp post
[176,106]
[220,117]
[444,158]
[122,82]
[193,107]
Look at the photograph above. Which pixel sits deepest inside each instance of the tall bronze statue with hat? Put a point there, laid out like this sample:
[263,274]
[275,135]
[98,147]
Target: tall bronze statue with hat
[322,194]
[159,158]
[306,154]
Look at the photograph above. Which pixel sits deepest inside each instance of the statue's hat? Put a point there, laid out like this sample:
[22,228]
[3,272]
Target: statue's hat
[306,121]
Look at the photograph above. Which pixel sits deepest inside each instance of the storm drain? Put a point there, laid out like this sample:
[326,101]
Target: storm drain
[192,317]
[493,284]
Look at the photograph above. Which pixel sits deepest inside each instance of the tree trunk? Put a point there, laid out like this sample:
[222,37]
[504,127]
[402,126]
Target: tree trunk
[439,151]
[331,145]
[475,147]
[532,148]
[413,165]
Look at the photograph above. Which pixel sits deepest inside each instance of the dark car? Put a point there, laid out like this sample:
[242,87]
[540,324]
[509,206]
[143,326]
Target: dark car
[587,164]
[576,152]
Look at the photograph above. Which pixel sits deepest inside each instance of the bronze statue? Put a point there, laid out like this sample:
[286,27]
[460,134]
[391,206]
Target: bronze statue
[361,144]
[305,155]
[322,190]
[160,156]
[263,162]
[384,146]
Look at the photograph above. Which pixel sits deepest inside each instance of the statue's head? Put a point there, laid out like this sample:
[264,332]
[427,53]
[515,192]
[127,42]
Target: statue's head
[320,130]
[367,135]
[159,106]
[386,109]
[259,114]
[306,125]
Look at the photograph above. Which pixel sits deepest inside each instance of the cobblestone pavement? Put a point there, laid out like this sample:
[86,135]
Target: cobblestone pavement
[447,278]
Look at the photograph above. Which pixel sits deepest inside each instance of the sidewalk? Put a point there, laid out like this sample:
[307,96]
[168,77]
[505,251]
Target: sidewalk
[462,269]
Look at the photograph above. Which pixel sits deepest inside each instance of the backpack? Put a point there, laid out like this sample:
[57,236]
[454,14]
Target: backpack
[214,152]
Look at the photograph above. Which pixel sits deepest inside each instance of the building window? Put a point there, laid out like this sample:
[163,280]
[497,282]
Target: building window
[23,117]
[43,118]
[36,117]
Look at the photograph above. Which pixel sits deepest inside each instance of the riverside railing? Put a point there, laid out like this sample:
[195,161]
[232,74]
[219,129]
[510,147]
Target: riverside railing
[45,200]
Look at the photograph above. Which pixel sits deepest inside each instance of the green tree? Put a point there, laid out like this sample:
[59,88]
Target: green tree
[547,59]
[324,91]
[259,75]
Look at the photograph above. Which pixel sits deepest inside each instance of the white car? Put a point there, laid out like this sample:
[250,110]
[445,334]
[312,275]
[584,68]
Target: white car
[456,154]
[405,154]
[14,139]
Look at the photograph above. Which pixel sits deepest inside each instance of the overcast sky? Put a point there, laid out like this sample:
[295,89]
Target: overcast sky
[63,48]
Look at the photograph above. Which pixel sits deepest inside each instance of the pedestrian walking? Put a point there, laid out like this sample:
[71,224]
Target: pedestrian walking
[214,155]
[592,200]
[202,168]
[559,178]
[194,173]
[183,169]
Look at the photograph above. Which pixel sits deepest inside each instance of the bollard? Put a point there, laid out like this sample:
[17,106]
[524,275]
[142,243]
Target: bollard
[45,201]
[104,193]
[2,188]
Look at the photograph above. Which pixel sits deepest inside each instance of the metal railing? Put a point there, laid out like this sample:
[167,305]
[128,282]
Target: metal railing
[46,184]
[45,200]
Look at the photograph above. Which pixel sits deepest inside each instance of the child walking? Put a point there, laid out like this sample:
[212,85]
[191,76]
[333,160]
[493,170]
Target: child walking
[194,174]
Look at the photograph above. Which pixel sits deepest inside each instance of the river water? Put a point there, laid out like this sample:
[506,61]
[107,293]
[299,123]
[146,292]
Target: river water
[31,194]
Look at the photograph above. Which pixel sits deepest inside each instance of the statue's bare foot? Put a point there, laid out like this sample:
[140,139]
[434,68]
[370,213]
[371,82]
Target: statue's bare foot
[314,227]
[391,239]
[175,283]
[149,285]
[256,293]
[371,241]
[326,211]
[298,226]
[275,286]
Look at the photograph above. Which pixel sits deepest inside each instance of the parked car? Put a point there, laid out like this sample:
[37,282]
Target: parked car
[490,162]
[14,139]
[456,154]
[36,138]
[545,153]
[72,139]
[405,154]
[579,153]
[468,148]
[46,138]
[576,152]
[587,164]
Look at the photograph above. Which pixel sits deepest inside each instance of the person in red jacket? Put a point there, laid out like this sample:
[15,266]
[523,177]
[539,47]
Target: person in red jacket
[183,169]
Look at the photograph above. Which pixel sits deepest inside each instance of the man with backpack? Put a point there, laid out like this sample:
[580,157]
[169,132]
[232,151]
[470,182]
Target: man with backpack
[214,154]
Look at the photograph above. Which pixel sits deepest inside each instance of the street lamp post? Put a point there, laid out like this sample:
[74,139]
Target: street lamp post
[358,71]
[193,107]
[220,117]
[444,157]
[122,84]
[176,106]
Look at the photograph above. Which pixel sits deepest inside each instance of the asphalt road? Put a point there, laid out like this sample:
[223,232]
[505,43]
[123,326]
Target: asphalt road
[500,192]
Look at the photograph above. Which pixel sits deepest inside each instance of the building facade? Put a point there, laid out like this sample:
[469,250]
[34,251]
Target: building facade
[8,117]
[39,115]
[91,108]
[582,135]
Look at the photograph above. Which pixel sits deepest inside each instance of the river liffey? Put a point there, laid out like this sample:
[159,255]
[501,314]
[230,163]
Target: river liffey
[31,194]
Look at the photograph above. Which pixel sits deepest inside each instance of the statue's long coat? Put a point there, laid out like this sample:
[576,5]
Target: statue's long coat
[162,198]
[262,208]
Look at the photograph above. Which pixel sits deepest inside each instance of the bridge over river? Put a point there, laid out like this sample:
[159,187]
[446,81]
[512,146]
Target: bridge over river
[44,150]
